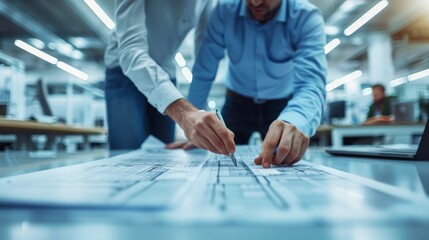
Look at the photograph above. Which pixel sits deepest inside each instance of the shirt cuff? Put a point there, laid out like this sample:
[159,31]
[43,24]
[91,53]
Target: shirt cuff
[298,120]
[163,95]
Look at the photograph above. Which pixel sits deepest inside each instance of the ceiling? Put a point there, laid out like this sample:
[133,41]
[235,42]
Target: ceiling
[71,24]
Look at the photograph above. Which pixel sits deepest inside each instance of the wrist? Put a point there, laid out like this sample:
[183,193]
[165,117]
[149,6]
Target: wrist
[178,109]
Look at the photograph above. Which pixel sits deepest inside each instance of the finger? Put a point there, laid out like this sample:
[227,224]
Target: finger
[215,140]
[204,131]
[270,143]
[226,135]
[202,142]
[284,147]
[209,146]
[304,147]
[293,153]
[175,145]
[258,160]
[189,146]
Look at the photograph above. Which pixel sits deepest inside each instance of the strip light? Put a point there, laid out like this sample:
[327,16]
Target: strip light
[74,71]
[332,45]
[180,60]
[336,83]
[366,17]
[187,73]
[36,52]
[101,14]
[398,82]
[418,75]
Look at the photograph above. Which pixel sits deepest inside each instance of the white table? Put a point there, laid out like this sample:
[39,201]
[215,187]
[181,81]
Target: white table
[404,131]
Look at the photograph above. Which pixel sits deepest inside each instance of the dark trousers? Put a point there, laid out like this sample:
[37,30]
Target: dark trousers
[131,119]
[244,117]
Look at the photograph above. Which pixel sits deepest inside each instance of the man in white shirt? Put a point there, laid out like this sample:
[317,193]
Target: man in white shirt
[140,76]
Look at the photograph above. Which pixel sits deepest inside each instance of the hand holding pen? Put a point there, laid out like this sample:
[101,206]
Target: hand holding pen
[219,115]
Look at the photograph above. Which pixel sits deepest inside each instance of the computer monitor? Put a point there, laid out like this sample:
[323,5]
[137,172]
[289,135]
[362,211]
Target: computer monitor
[337,110]
[404,111]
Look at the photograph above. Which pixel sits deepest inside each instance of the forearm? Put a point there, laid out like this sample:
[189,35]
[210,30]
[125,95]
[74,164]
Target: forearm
[178,110]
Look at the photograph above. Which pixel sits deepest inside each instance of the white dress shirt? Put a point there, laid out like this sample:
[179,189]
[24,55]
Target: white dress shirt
[147,36]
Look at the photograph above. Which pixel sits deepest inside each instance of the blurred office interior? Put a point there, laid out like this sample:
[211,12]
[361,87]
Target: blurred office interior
[52,69]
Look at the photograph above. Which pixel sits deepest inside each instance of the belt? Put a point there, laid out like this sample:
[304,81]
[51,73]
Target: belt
[240,97]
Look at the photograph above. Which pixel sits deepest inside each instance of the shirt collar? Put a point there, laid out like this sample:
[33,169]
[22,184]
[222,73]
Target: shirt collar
[280,15]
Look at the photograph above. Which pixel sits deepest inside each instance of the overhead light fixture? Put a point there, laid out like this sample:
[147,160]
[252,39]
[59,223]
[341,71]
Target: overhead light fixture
[366,17]
[64,48]
[101,14]
[397,82]
[367,91]
[350,77]
[349,6]
[418,75]
[74,71]
[331,30]
[212,104]
[76,54]
[36,52]
[37,43]
[332,45]
[187,73]
[180,60]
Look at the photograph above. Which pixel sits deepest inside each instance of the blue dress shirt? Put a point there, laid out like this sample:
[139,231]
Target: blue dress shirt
[282,57]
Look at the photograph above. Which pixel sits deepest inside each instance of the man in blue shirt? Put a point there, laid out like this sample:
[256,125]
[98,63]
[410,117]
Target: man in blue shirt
[276,73]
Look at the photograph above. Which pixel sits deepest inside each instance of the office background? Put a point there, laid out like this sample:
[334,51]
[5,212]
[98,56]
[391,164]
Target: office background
[369,41]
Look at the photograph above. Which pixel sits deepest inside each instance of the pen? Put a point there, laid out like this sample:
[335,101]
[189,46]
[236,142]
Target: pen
[219,115]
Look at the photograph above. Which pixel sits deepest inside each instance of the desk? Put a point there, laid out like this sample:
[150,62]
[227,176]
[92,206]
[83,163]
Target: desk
[39,223]
[338,133]
[24,130]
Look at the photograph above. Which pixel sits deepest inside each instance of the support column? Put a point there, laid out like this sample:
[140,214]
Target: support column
[380,61]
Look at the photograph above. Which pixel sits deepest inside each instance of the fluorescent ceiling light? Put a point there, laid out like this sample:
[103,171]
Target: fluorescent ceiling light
[331,30]
[349,6]
[366,17]
[336,83]
[101,14]
[332,45]
[64,48]
[367,91]
[180,60]
[79,42]
[187,73]
[37,43]
[418,75]
[397,82]
[212,104]
[76,54]
[52,46]
[36,52]
[72,70]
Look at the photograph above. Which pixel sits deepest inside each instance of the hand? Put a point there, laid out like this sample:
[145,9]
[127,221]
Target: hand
[203,129]
[291,145]
[186,145]
[379,120]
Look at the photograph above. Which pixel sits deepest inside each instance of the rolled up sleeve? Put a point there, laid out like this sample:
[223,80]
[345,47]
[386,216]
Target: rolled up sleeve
[134,57]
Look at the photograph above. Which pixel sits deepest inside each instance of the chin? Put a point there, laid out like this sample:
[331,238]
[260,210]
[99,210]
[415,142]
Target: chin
[258,17]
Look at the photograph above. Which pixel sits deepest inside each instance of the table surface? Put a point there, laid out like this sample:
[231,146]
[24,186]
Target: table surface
[33,127]
[117,224]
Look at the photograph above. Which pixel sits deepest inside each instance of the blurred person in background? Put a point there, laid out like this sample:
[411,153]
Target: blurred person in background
[380,111]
